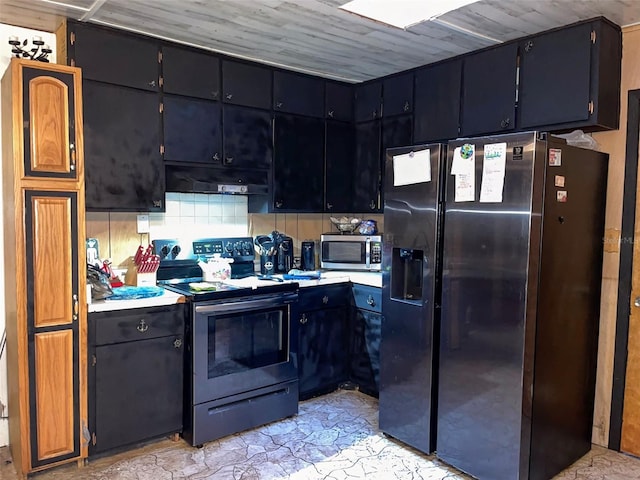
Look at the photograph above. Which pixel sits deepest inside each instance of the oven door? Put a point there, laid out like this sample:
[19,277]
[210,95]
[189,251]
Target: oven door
[241,345]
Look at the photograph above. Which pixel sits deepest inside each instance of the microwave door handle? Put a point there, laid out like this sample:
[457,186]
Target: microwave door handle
[367,252]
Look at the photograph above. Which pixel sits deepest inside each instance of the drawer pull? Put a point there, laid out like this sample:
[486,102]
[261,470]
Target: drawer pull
[371,301]
[177,343]
[303,318]
[142,326]
[325,299]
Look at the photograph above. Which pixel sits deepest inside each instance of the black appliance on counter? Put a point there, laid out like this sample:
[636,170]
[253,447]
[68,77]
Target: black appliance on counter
[241,371]
[410,289]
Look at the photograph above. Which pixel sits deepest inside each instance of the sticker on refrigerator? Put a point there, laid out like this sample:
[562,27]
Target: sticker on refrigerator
[518,153]
[412,167]
[493,169]
[561,196]
[555,157]
[463,167]
[559,181]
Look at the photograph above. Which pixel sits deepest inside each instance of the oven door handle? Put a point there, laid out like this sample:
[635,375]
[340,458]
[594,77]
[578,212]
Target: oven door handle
[230,307]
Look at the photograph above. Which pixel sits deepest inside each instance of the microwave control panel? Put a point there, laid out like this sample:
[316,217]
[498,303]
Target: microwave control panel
[376,252]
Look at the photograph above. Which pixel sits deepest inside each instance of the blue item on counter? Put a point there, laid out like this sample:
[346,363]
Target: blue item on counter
[295,274]
[134,293]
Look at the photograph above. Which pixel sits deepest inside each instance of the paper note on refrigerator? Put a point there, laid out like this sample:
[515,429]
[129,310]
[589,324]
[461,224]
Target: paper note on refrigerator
[493,169]
[464,160]
[410,168]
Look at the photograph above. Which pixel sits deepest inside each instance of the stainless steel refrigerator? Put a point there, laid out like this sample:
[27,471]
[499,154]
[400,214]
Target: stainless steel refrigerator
[410,291]
[522,268]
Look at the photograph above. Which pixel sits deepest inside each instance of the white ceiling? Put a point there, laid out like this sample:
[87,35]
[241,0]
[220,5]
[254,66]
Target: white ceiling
[315,36]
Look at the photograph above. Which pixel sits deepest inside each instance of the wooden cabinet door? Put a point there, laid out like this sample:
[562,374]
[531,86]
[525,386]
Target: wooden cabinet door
[51,230]
[489,91]
[365,351]
[367,169]
[339,101]
[123,165]
[437,102]
[555,77]
[190,73]
[247,137]
[338,164]
[114,56]
[246,84]
[297,93]
[49,99]
[323,351]
[298,163]
[192,130]
[368,101]
[397,95]
[138,391]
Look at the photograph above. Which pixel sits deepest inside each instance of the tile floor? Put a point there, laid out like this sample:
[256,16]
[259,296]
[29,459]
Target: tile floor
[334,437]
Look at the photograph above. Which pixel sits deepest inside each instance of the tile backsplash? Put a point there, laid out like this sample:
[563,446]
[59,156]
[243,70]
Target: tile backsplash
[189,215]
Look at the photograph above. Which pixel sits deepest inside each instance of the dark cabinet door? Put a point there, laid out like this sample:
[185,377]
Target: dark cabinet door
[115,57]
[437,102]
[185,72]
[339,157]
[191,130]
[367,169]
[365,351]
[397,95]
[123,165]
[323,351]
[489,91]
[368,101]
[245,84]
[298,163]
[297,93]
[555,77]
[339,101]
[138,391]
[397,132]
[247,137]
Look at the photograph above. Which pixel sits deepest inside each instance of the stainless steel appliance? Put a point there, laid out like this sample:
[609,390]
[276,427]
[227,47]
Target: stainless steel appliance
[240,361]
[520,305]
[410,297]
[308,255]
[351,251]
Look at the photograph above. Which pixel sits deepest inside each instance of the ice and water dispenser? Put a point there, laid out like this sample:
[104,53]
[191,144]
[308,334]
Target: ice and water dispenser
[406,274]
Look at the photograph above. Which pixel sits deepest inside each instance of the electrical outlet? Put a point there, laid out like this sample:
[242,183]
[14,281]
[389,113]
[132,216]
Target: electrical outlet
[143,223]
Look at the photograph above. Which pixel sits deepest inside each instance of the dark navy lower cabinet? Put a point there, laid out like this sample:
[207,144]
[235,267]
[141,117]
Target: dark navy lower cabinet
[364,350]
[135,377]
[323,339]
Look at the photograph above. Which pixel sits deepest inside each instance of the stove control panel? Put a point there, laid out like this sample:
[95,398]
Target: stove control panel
[238,248]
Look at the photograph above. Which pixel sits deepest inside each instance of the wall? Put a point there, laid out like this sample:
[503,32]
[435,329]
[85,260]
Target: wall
[5,57]
[613,143]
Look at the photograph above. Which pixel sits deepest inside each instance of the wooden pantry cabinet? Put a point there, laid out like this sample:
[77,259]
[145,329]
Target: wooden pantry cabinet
[45,273]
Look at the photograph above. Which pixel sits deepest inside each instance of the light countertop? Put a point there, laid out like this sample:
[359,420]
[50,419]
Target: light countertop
[167,298]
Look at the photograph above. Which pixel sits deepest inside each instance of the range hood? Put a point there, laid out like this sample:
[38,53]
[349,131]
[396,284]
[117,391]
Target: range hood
[214,179]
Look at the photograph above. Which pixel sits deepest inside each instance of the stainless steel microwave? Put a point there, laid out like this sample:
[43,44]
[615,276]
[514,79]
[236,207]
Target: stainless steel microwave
[351,252]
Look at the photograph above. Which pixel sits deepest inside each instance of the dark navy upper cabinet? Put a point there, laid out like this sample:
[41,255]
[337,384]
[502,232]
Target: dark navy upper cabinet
[367,168]
[247,137]
[571,77]
[489,91]
[297,93]
[246,84]
[339,101]
[298,163]
[339,153]
[191,73]
[397,95]
[368,101]
[192,130]
[437,102]
[114,57]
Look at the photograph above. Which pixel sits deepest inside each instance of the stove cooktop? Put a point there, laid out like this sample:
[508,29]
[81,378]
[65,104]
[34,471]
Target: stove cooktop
[199,291]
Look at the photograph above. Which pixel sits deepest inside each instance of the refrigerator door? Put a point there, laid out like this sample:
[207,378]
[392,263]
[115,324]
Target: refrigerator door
[410,252]
[486,273]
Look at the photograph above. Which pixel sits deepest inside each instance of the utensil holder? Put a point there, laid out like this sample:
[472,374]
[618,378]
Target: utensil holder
[267,264]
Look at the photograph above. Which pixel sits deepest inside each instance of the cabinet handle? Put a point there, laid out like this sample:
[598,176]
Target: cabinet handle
[215,94]
[142,326]
[505,123]
[330,113]
[86,435]
[278,204]
[329,206]
[177,343]
[370,301]
[325,299]
[228,160]
[528,46]
[215,157]
[229,96]
[72,155]
[372,205]
[75,307]
[278,104]
[303,318]
[406,106]
[152,83]
[157,203]
[374,113]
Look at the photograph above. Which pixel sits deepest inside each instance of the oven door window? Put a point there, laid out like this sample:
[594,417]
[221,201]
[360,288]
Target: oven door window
[344,252]
[242,341]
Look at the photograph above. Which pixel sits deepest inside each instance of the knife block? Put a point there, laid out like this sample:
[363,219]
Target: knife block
[137,279]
